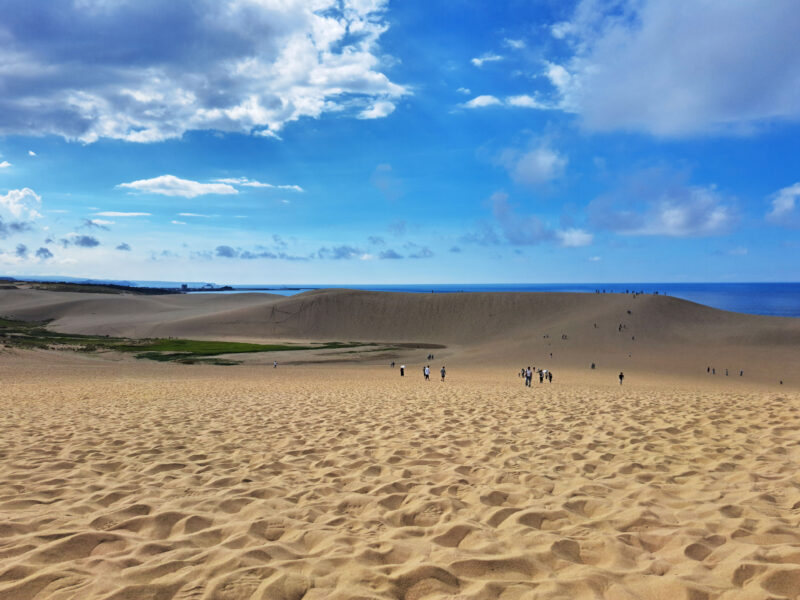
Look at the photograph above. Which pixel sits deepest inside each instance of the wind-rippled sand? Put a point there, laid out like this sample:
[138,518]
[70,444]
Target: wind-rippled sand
[136,481]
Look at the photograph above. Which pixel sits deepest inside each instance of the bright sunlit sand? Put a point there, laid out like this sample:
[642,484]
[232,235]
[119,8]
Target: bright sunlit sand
[125,478]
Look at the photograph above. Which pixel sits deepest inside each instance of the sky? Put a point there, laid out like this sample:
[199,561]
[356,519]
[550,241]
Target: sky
[376,141]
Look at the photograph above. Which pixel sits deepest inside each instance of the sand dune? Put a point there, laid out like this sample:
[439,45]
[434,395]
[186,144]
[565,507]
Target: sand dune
[653,334]
[152,481]
[123,479]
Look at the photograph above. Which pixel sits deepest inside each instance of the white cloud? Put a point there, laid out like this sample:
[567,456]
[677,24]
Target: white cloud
[101,222]
[5,164]
[465,91]
[514,44]
[178,222]
[21,204]
[536,166]
[484,58]
[245,182]
[195,215]
[658,203]
[574,238]
[525,101]
[482,101]
[786,206]
[169,185]
[378,110]
[31,153]
[112,213]
[595,258]
[519,101]
[680,68]
[148,70]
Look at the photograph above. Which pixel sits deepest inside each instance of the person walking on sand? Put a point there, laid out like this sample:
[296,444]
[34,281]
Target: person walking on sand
[443,372]
[274,364]
[427,372]
[528,377]
[621,377]
[402,370]
[541,375]
[550,376]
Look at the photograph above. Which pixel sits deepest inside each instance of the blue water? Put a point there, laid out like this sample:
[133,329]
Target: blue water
[776,299]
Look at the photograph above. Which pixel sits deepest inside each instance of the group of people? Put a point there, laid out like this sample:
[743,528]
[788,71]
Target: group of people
[527,374]
[426,371]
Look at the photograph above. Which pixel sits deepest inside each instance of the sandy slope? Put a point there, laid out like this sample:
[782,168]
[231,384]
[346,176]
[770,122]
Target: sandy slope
[156,481]
[652,334]
[123,479]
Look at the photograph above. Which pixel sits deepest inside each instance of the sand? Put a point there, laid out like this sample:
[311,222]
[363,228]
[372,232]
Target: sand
[127,479]
[145,480]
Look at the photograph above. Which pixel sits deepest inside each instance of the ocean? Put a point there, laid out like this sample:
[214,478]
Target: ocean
[774,299]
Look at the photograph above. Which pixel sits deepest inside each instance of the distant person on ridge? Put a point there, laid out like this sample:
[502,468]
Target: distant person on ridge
[621,377]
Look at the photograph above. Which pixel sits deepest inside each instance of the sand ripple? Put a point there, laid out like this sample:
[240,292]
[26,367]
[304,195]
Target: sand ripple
[234,484]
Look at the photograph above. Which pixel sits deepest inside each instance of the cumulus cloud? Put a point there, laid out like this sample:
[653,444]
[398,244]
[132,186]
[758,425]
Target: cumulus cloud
[148,70]
[518,101]
[21,204]
[8,229]
[657,202]
[226,252]
[169,185]
[423,252]
[340,253]
[44,253]
[380,109]
[376,240]
[679,68]
[514,44]
[124,247]
[484,58]
[534,167]
[85,241]
[21,251]
[5,164]
[389,255]
[31,153]
[482,102]
[786,206]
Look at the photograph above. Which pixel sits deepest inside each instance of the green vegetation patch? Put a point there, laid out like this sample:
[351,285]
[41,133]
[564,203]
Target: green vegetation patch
[34,334]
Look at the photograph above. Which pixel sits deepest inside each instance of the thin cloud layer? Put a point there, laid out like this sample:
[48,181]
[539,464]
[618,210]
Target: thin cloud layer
[169,185]
[147,71]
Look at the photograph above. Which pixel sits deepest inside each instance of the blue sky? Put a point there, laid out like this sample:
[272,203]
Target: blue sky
[365,141]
